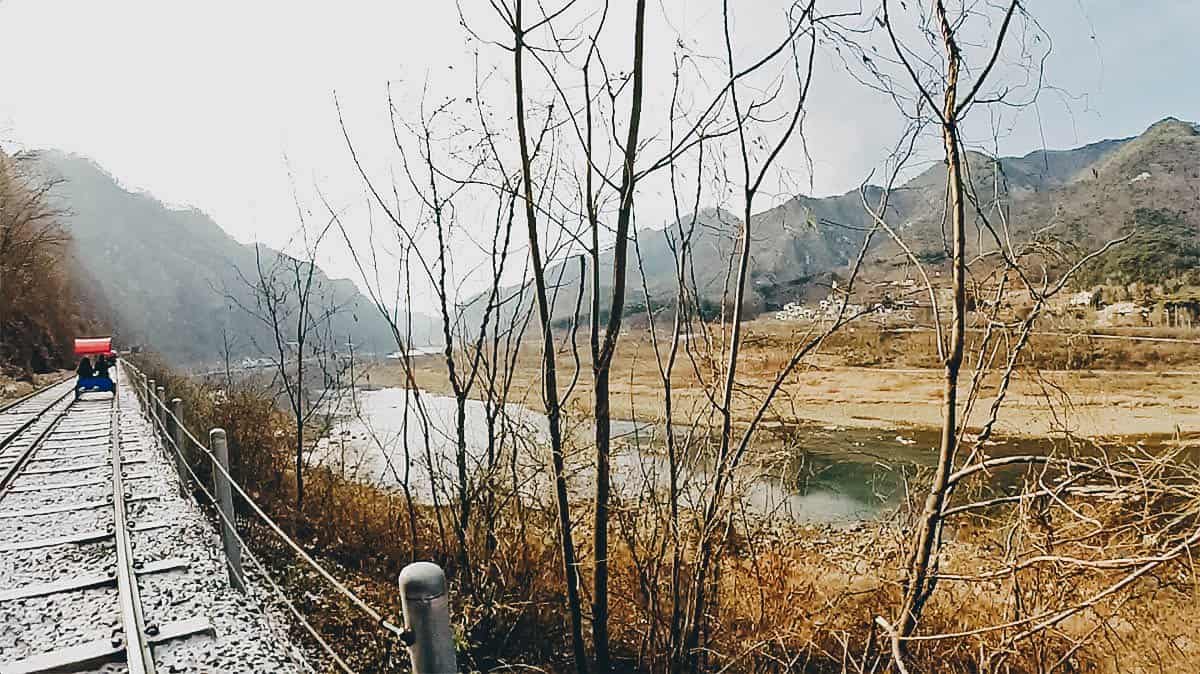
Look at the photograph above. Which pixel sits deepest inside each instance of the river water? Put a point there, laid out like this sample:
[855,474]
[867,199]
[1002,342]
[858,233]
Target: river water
[824,475]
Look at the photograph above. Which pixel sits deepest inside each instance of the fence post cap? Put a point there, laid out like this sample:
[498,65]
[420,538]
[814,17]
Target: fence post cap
[176,401]
[422,581]
[216,433]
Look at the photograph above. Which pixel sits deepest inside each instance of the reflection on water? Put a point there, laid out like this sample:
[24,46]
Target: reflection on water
[827,474]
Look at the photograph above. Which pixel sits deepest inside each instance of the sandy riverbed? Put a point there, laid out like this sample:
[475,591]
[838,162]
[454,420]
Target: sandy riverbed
[1087,403]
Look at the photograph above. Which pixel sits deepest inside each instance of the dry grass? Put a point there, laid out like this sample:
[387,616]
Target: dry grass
[786,598]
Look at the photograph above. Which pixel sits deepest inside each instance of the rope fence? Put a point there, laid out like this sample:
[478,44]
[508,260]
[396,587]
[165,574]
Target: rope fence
[230,525]
[160,414]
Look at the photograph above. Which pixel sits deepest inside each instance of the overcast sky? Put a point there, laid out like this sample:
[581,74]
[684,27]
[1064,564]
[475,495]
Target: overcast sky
[211,104]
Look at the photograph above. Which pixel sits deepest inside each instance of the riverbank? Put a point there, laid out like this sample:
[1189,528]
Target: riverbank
[832,391]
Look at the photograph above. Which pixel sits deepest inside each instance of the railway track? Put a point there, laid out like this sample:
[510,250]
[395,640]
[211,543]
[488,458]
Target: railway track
[78,555]
[11,405]
[34,412]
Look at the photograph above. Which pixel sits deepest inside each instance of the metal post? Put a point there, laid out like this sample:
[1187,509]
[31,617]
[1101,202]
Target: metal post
[427,619]
[233,551]
[148,403]
[176,424]
[160,397]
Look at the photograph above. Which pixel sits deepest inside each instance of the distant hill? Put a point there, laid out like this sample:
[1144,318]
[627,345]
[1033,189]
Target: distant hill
[1083,197]
[165,272]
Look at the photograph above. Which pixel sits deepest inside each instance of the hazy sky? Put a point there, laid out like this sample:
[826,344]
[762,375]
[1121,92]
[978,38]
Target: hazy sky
[211,103]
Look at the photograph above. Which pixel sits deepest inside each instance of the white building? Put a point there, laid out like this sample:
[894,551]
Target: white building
[1082,299]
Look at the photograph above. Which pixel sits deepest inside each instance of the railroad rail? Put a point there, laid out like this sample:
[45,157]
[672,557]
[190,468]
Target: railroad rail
[36,411]
[11,404]
[91,570]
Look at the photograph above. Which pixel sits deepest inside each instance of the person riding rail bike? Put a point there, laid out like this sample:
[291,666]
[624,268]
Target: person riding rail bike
[94,377]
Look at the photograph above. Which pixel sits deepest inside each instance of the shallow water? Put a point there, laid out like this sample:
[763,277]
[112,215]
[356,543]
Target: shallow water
[825,474]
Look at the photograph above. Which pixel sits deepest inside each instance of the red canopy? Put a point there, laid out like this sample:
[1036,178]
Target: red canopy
[93,345]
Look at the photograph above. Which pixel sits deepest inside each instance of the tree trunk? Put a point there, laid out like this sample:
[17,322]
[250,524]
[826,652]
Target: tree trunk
[602,365]
[924,549]
[549,375]
[464,517]
[299,466]
[600,525]
[707,546]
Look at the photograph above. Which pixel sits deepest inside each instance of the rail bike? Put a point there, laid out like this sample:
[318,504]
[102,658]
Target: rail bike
[95,347]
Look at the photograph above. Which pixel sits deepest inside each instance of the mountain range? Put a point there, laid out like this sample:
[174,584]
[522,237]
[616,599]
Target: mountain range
[173,279]
[1148,184]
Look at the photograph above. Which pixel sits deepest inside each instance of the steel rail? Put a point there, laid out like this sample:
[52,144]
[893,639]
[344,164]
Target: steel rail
[30,396]
[133,644]
[6,440]
[8,474]
[11,408]
[138,656]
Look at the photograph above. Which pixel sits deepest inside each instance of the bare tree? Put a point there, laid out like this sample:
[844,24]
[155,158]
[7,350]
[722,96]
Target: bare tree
[550,392]
[591,112]
[753,119]
[286,300]
[449,170]
[1010,260]
[752,179]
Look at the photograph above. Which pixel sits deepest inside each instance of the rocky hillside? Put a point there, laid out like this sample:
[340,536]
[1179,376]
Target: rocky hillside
[1149,184]
[173,278]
